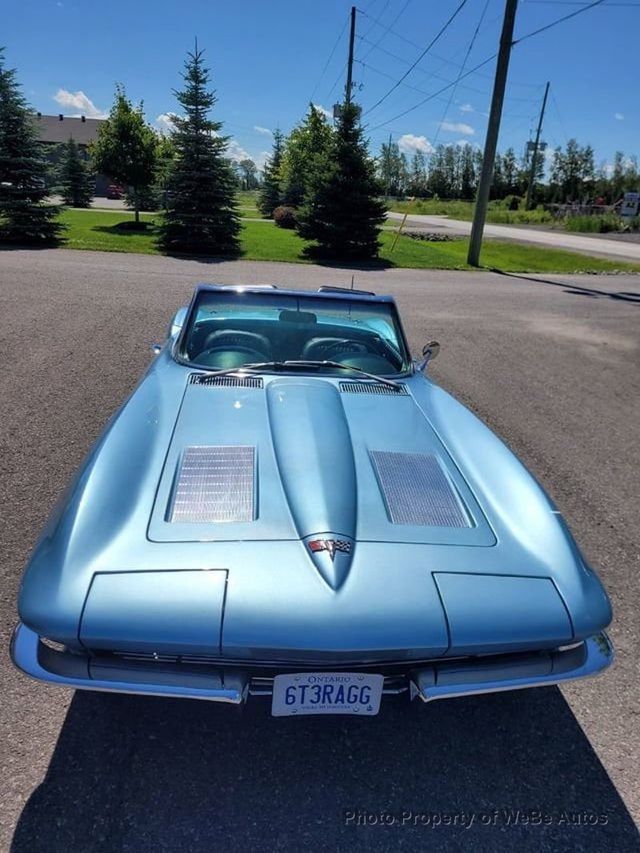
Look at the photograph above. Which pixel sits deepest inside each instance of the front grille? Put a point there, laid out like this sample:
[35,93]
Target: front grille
[417,491]
[372,388]
[226,381]
[267,669]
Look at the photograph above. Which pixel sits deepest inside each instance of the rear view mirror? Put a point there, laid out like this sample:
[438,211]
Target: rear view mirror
[429,352]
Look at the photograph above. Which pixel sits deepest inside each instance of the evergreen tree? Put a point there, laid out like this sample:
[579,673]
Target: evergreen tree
[305,153]
[270,195]
[418,175]
[76,183]
[24,217]
[126,148]
[202,215]
[342,212]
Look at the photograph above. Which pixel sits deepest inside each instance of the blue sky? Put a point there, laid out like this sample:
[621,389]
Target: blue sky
[267,60]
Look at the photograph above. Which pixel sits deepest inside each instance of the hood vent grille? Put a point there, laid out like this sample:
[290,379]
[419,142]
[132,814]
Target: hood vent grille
[226,381]
[417,491]
[214,484]
[372,388]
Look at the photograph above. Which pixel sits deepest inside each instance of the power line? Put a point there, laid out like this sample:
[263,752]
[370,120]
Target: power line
[464,63]
[435,94]
[326,65]
[575,3]
[480,65]
[558,21]
[482,92]
[391,77]
[437,56]
[443,29]
[386,29]
[337,80]
[421,70]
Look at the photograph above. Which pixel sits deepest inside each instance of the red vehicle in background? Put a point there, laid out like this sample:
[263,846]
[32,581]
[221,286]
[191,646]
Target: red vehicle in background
[115,191]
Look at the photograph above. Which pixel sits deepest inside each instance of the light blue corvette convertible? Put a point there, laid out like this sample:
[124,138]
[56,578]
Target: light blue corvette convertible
[287,506]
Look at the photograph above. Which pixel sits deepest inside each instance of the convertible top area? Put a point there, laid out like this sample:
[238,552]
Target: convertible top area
[230,327]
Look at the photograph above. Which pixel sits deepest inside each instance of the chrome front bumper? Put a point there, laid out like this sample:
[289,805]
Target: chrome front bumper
[439,680]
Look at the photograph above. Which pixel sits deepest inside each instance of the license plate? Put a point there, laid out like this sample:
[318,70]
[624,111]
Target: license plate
[326,693]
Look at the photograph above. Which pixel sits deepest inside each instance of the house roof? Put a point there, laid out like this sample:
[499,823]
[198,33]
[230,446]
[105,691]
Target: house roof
[59,128]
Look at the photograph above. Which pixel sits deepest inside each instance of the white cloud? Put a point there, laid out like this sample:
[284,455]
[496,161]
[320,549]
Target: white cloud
[618,116]
[236,152]
[164,122]
[457,127]
[78,101]
[325,112]
[261,159]
[409,143]
[466,108]
[265,131]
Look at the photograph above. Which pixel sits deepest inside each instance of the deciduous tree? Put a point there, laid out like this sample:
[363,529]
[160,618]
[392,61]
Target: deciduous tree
[125,148]
[305,154]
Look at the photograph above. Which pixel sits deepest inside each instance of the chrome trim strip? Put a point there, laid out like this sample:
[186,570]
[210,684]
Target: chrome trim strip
[448,680]
[445,680]
[34,658]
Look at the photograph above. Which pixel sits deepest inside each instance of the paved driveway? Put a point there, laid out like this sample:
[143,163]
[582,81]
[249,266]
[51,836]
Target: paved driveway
[552,364]
[591,244]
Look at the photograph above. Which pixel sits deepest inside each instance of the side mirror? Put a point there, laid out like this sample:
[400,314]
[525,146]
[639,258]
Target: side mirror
[429,352]
[175,326]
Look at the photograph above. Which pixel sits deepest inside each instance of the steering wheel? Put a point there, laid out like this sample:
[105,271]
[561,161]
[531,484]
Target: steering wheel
[239,341]
[244,355]
[341,347]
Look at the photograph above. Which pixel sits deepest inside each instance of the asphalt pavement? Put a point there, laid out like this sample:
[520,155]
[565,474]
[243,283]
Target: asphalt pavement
[552,364]
[590,244]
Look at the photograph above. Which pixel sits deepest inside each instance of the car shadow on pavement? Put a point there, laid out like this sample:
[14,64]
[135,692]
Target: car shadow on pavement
[575,289]
[510,771]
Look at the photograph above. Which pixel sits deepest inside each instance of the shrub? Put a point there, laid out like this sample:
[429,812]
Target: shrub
[594,224]
[285,217]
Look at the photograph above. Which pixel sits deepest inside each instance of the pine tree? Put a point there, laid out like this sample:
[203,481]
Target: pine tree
[76,183]
[270,195]
[342,212]
[202,215]
[24,217]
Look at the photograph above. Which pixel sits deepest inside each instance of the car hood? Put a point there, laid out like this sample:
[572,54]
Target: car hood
[300,458]
[305,515]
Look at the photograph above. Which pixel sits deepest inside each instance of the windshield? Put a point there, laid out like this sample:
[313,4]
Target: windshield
[228,330]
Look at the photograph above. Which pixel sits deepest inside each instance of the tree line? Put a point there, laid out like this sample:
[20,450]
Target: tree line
[453,172]
[324,172]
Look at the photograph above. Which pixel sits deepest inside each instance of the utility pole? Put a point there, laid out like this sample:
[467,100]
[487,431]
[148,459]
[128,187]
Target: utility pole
[493,129]
[388,183]
[534,159]
[352,36]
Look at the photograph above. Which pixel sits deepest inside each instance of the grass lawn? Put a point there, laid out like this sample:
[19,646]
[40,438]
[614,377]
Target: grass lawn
[262,241]
[496,213]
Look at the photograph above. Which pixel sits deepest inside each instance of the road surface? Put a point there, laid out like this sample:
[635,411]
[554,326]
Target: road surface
[591,244]
[552,364]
